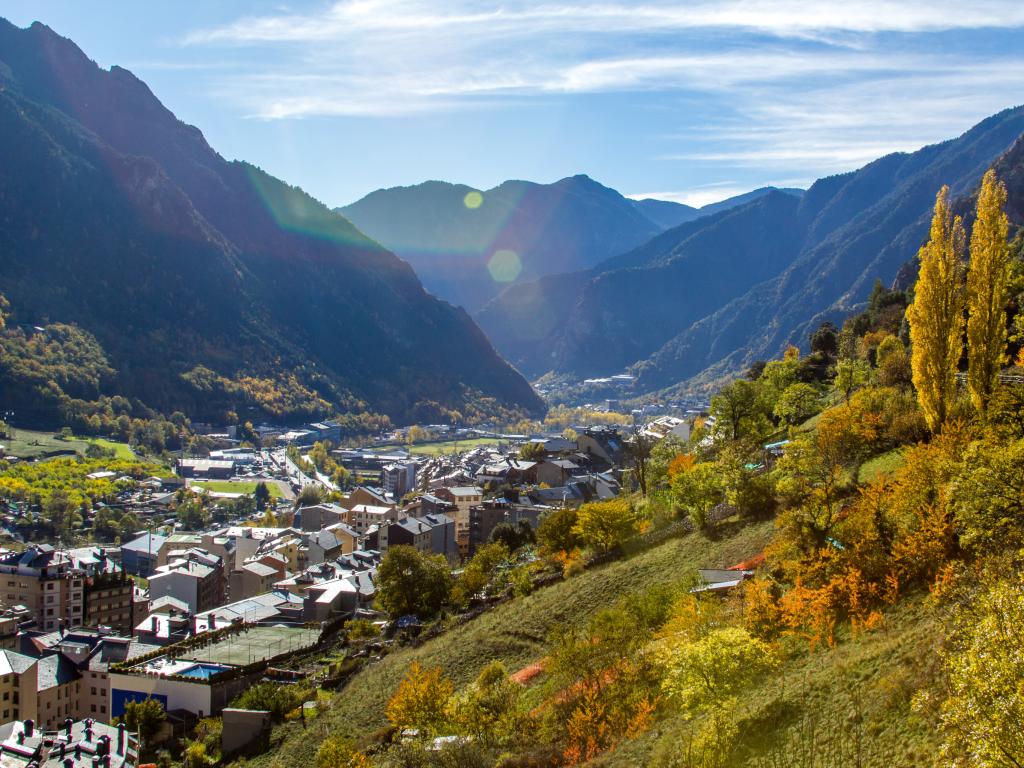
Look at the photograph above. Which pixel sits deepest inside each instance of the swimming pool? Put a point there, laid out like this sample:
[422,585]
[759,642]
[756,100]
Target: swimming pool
[204,671]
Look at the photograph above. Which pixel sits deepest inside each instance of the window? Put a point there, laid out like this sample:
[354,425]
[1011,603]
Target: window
[7,714]
[103,709]
[92,690]
[92,708]
[7,695]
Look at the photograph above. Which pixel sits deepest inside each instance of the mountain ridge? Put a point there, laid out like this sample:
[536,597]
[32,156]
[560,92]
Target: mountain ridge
[570,224]
[846,231]
[186,260]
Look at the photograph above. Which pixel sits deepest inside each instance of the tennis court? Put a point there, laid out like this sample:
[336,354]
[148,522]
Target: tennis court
[255,644]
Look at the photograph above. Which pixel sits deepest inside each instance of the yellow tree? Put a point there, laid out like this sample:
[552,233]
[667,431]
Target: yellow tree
[936,316]
[987,292]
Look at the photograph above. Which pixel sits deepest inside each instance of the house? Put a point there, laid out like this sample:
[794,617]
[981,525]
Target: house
[399,478]
[442,535]
[464,498]
[206,469]
[317,516]
[668,426]
[270,607]
[604,444]
[555,472]
[82,743]
[362,516]
[140,556]
[47,582]
[252,579]
[195,577]
[409,532]
[331,542]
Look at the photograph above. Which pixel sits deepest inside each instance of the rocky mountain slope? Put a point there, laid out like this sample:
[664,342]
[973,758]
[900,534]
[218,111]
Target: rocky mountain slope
[210,284]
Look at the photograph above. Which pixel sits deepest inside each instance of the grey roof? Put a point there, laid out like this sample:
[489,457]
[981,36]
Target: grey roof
[12,661]
[55,670]
[148,542]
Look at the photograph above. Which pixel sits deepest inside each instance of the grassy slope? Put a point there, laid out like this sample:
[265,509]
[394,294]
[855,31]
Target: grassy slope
[874,675]
[27,443]
[436,449]
[236,486]
[513,633]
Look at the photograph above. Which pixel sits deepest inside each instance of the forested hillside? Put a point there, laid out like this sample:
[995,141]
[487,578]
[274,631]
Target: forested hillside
[704,300]
[868,498]
[211,287]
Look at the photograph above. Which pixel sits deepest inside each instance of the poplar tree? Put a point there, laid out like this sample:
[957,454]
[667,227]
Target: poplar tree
[988,277]
[936,316]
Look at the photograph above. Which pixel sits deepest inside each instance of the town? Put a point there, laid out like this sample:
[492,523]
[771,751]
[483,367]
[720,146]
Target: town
[191,610]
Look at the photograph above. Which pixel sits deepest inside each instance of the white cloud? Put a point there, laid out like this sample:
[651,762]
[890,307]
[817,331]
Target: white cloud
[791,87]
[343,20]
[697,197]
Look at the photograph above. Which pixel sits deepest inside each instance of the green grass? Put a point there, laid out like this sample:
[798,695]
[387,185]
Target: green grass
[883,464]
[28,443]
[863,686]
[235,486]
[514,633]
[436,449]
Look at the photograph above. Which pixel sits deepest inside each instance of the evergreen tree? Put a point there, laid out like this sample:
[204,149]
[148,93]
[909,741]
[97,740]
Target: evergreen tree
[987,294]
[936,316]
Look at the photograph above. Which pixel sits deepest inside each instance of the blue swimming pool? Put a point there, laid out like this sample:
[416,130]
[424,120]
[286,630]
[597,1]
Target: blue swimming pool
[203,670]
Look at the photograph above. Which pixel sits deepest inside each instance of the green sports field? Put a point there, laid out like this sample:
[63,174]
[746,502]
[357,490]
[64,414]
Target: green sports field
[255,644]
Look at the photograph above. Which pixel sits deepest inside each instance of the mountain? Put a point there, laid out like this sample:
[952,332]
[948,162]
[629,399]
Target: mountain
[467,244]
[704,299]
[210,285]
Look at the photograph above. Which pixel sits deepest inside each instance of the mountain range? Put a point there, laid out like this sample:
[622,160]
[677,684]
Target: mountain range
[703,300]
[466,244]
[210,285]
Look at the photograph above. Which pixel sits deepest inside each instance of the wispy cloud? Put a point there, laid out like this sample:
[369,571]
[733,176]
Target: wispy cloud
[696,197]
[777,17]
[794,87]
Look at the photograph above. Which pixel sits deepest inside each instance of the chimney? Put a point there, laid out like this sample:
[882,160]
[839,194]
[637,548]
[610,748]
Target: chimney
[67,726]
[69,763]
[78,751]
[21,737]
[213,621]
[29,727]
[120,738]
[63,748]
[88,731]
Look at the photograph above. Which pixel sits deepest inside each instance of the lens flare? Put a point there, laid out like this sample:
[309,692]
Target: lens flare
[504,266]
[473,200]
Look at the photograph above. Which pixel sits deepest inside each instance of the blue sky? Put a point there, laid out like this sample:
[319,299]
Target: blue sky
[690,101]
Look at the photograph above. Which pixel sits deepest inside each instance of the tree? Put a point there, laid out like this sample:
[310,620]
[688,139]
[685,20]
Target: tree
[851,375]
[715,667]
[638,450]
[275,698]
[489,709]
[988,497]
[988,278]
[797,404]
[513,536]
[698,489]
[983,715]
[336,752]
[825,339]
[409,582]
[421,701]
[145,717]
[532,451]
[309,496]
[556,531]
[262,495]
[736,410]
[605,524]
[936,316]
